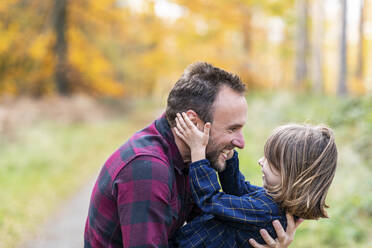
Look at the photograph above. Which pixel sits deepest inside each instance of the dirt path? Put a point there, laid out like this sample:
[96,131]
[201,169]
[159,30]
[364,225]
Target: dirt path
[66,227]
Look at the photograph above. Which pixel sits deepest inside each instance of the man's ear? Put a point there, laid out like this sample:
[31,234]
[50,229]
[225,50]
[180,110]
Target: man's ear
[194,117]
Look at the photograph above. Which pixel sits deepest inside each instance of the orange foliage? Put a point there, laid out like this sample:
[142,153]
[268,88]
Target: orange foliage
[116,50]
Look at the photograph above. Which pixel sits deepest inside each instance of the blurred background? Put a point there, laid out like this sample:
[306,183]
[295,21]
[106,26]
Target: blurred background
[77,78]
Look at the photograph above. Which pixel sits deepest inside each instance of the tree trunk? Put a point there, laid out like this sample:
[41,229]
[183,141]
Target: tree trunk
[61,46]
[317,55]
[302,42]
[342,87]
[360,64]
[247,29]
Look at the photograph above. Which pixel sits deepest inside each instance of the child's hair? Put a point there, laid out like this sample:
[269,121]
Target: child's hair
[306,157]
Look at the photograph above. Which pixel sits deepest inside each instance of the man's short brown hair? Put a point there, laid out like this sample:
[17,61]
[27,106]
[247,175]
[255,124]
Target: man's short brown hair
[197,89]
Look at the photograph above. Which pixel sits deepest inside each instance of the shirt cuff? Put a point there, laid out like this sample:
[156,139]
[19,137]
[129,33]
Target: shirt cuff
[232,165]
[200,163]
[233,158]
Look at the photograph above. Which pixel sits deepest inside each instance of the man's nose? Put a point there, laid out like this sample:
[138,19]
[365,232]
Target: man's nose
[238,141]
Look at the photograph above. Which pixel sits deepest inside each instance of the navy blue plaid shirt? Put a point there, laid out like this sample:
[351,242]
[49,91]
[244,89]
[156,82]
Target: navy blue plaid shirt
[229,218]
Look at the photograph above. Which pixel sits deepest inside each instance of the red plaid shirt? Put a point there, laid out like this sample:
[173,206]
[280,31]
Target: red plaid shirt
[142,194]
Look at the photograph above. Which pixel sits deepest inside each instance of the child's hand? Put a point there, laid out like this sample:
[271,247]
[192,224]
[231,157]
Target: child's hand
[197,140]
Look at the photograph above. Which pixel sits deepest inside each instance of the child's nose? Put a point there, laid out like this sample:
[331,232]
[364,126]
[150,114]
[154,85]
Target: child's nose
[260,161]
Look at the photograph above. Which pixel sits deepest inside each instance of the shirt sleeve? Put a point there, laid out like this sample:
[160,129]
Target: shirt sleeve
[143,191]
[233,181]
[248,209]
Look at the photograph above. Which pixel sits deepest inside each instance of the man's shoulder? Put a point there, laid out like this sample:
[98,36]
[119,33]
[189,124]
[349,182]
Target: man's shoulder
[153,139]
[146,144]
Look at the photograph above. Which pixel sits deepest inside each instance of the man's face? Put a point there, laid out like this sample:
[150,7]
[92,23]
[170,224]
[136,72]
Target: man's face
[230,115]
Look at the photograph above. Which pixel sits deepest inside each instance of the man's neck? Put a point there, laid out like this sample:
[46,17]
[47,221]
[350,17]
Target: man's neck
[182,148]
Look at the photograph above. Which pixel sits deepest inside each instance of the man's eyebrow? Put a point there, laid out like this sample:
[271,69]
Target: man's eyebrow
[236,126]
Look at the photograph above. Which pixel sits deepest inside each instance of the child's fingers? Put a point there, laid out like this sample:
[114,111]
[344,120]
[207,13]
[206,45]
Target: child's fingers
[179,126]
[179,134]
[182,121]
[188,121]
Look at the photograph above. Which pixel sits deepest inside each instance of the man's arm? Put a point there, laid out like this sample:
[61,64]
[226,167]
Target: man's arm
[284,238]
[143,198]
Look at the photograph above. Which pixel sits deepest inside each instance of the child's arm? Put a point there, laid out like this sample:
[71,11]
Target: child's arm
[205,187]
[256,208]
[192,136]
[233,181]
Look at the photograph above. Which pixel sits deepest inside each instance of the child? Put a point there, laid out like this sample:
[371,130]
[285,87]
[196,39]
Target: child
[298,167]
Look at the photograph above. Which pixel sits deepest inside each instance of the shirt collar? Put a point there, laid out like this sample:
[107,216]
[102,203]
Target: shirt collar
[164,129]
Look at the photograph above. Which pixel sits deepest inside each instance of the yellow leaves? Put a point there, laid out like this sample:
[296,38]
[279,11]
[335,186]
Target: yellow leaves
[5,41]
[8,36]
[113,48]
[100,13]
[108,88]
[5,4]
[39,48]
[76,38]
[357,86]
[96,73]
[8,87]
[85,56]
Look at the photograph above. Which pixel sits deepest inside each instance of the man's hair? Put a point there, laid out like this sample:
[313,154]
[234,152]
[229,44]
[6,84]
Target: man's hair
[306,157]
[197,89]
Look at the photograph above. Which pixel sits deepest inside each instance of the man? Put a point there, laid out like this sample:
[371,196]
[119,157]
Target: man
[142,195]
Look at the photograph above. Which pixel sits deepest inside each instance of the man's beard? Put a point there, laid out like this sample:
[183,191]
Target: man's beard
[213,156]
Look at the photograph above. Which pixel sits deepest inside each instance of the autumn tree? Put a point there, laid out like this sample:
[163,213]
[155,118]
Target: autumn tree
[111,48]
[342,74]
[360,61]
[60,22]
[39,40]
[302,42]
[317,45]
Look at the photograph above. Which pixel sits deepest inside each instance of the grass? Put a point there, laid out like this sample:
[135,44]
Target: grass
[47,162]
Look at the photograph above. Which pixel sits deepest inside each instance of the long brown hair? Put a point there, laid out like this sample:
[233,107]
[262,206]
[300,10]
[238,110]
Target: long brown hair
[306,157]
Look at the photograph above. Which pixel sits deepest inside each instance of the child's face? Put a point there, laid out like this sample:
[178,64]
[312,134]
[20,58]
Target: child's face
[271,176]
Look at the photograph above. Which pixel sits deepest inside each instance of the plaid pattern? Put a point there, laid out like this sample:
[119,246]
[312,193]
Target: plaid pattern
[142,194]
[229,218]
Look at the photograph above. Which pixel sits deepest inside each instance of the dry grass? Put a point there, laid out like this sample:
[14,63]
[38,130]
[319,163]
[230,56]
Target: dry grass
[24,112]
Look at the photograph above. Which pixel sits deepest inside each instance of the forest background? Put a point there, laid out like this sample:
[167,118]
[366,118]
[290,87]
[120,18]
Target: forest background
[77,78]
